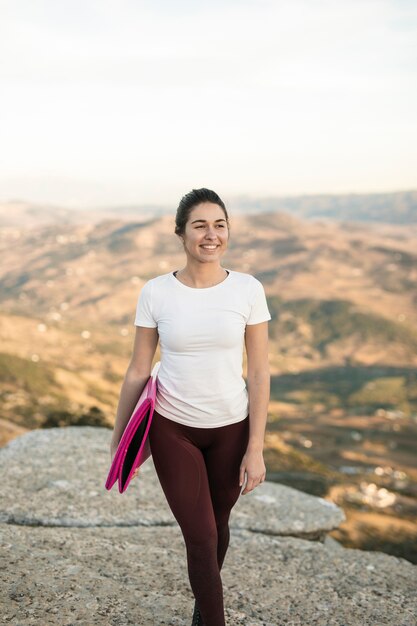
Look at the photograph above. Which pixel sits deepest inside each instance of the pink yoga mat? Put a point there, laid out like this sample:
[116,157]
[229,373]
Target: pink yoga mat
[134,448]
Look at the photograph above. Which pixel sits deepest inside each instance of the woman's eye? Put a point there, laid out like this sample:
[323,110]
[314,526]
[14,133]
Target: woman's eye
[202,226]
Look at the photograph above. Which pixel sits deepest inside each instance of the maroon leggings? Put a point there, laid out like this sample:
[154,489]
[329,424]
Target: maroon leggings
[198,469]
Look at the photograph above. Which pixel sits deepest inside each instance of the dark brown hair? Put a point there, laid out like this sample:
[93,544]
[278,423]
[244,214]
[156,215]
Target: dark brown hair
[190,201]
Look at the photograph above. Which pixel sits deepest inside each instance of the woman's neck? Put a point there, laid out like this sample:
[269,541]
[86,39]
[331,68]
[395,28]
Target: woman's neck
[200,277]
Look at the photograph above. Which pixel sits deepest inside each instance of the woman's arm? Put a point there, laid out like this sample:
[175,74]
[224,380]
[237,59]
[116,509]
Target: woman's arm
[258,378]
[137,374]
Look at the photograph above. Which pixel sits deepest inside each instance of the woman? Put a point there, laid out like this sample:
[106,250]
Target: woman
[208,429]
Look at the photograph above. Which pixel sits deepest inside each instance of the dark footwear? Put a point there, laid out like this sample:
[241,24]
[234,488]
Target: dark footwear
[197,620]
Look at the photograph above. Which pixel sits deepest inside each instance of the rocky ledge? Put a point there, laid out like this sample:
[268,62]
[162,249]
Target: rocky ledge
[75,553]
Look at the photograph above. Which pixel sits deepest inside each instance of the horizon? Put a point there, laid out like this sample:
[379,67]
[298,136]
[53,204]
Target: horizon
[228,199]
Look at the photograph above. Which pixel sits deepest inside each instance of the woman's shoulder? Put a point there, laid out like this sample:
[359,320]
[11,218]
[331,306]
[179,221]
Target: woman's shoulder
[154,286]
[245,278]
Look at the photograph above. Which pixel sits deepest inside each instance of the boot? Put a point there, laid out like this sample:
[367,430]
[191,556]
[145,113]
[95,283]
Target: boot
[197,620]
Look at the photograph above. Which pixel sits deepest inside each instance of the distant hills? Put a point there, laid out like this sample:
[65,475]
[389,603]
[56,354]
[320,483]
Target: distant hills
[340,275]
[340,295]
[21,214]
[390,208]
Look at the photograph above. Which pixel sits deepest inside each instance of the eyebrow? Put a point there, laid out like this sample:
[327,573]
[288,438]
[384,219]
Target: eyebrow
[220,220]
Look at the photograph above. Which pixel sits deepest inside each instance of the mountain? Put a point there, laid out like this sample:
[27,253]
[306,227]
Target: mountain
[343,339]
[20,214]
[390,208]
[339,295]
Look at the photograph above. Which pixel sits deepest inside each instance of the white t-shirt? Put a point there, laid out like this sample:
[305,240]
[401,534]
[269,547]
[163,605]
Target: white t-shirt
[201,335]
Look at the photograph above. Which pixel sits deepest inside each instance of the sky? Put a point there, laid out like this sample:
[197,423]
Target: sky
[111,102]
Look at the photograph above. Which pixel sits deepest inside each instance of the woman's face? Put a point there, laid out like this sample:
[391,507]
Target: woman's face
[206,232]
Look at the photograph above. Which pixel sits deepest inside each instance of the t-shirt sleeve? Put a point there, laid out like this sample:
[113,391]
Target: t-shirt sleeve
[259,306]
[144,315]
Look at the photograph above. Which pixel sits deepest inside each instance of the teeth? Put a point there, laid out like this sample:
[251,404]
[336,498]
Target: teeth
[209,247]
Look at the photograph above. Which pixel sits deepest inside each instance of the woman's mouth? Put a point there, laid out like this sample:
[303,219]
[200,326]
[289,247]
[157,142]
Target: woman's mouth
[209,247]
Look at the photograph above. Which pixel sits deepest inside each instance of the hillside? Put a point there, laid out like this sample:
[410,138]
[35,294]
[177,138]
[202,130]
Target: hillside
[337,297]
[398,207]
[343,340]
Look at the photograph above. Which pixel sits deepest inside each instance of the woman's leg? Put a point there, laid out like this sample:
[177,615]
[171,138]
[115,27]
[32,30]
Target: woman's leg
[182,472]
[223,458]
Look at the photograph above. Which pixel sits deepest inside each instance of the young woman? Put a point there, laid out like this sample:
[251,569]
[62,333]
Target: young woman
[208,428]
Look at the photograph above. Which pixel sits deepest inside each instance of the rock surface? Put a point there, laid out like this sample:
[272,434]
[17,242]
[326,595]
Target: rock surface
[74,553]
[56,477]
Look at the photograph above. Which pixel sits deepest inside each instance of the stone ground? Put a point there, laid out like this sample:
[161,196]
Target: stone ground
[73,553]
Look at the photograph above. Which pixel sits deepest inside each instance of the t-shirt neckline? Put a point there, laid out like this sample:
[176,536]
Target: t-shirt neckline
[178,282]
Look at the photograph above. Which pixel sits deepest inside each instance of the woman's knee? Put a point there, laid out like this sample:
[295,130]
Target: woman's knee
[223,504]
[200,536]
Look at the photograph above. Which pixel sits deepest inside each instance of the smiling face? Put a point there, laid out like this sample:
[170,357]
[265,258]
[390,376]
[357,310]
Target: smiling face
[206,233]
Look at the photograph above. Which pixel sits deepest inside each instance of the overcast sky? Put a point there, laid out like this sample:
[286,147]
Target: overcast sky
[125,101]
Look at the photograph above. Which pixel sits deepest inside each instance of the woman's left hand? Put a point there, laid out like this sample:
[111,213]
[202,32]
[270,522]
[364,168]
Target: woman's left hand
[254,466]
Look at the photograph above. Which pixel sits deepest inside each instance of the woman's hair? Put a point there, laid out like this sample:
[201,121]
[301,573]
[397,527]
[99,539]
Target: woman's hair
[190,201]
